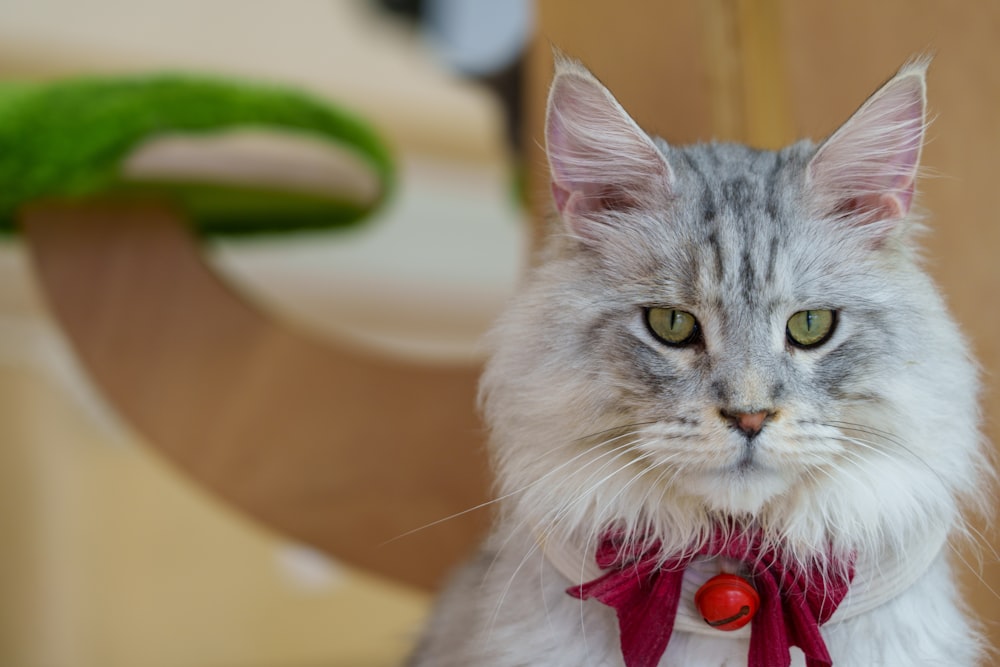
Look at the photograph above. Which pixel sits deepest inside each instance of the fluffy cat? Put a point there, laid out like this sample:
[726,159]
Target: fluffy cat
[723,338]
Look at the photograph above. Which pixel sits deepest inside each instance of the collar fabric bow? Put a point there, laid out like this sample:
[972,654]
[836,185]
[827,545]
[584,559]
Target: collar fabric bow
[645,589]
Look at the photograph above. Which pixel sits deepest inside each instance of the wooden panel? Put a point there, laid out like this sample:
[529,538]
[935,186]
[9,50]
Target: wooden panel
[768,71]
[655,66]
[328,445]
[839,53]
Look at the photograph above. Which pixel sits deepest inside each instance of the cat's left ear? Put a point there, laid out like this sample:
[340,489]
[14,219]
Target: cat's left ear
[866,171]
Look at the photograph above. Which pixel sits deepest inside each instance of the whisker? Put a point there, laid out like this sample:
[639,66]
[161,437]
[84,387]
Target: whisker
[964,525]
[975,572]
[510,494]
[561,514]
[887,436]
[520,524]
[586,495]
[510,582]
[870,446]
[664,471]
[558,515]
[545,602]
[635,478]
[979,538]
[598,527]
[620,427]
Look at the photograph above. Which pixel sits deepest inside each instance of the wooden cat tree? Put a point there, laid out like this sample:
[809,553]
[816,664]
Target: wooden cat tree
[287,428]
[336,447]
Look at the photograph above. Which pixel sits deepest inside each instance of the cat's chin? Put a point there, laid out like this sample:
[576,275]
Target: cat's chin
[736,491]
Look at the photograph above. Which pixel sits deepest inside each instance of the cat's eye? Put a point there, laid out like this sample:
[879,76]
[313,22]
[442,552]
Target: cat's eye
[809,328]
[672,326]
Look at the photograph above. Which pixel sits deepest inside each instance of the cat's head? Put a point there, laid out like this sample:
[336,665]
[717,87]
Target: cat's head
[717,331]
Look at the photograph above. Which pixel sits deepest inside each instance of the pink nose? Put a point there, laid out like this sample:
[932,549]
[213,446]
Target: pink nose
[750,423]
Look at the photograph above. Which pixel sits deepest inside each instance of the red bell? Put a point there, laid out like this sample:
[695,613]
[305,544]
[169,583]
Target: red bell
[727,602]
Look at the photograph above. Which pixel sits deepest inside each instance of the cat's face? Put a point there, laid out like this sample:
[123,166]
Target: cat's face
[719,331]
[738,330]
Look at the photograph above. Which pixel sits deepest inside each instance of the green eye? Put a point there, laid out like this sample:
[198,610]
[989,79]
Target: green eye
[808,328]
[672,326]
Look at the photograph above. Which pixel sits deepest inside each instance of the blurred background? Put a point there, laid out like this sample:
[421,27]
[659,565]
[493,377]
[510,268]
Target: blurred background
[111,557]
[114,557]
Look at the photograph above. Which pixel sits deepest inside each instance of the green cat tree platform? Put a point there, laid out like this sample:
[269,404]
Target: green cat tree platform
[335,447]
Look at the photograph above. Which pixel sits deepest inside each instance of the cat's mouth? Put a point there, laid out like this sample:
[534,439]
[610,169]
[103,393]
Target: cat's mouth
[746,467]
[747,462]
[750,459]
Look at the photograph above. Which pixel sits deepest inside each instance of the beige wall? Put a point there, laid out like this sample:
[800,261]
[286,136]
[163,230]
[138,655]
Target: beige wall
[768,71]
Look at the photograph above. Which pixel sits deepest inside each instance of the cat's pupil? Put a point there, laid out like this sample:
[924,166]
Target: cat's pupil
[809,328]
[672,326]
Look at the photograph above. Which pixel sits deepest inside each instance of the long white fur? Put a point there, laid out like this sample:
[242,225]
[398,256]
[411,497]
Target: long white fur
[859,478]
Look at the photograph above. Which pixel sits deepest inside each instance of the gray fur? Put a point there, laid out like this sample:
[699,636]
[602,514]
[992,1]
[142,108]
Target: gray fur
[596,423]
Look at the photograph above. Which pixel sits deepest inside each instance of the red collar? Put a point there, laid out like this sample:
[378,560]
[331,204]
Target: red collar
[644,588]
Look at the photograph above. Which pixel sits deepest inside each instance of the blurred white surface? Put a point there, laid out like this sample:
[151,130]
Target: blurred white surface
[426,278]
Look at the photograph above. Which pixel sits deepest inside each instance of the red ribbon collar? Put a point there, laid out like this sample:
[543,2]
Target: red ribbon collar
[645,590]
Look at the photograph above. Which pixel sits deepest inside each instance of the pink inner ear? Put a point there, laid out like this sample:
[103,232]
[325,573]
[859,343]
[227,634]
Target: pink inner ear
[900,200]
[600,160]
[560,196]
[876,206]
[869,165]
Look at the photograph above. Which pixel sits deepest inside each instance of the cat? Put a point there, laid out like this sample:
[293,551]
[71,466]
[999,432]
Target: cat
[723,343]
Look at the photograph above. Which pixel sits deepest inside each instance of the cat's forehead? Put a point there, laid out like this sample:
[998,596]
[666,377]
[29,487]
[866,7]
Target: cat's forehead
[742,221]
[734,178]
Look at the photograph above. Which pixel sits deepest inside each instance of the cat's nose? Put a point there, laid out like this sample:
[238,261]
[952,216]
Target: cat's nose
[750,423]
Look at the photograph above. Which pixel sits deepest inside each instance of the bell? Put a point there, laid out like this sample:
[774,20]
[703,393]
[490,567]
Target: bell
[727,602]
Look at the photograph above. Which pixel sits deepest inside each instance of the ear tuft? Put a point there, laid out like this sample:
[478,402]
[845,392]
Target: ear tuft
[866,171]
[600,160]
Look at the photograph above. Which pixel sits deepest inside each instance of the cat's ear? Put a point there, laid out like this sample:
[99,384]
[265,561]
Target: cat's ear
[866,171]
[600,160]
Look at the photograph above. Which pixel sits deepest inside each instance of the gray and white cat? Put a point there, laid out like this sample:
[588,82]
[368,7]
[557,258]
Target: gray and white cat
[723,336]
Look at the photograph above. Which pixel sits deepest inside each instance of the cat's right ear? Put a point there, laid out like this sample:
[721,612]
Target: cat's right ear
[600,160]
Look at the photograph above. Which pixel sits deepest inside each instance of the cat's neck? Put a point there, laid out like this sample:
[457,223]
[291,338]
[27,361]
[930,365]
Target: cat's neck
[878,578]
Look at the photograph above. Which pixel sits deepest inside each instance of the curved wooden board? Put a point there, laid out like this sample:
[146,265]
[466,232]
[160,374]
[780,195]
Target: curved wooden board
[334,447]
